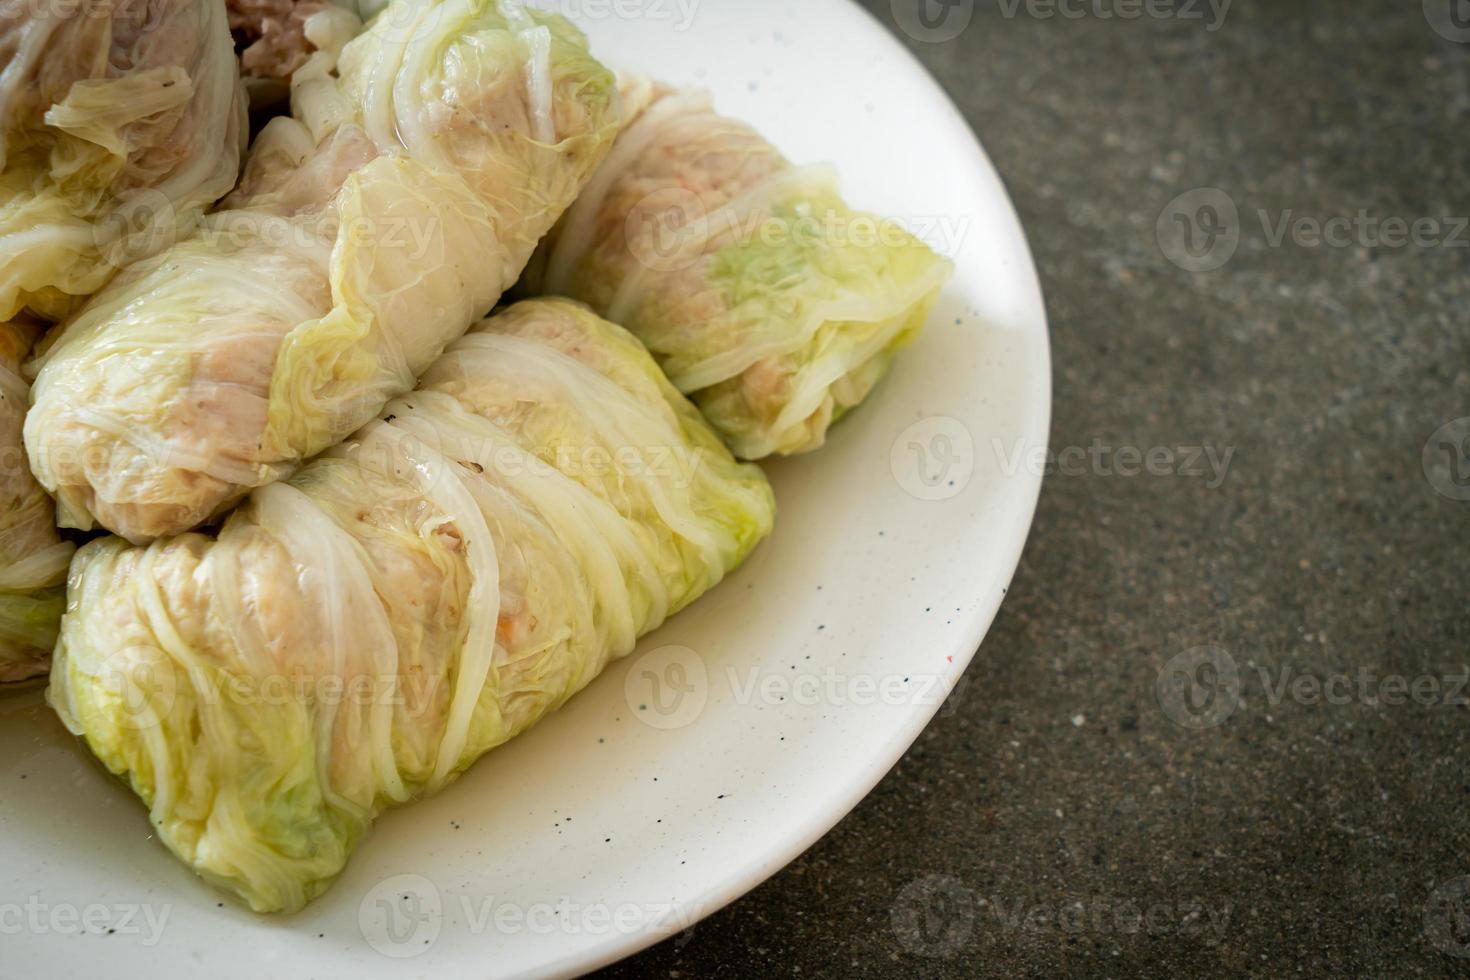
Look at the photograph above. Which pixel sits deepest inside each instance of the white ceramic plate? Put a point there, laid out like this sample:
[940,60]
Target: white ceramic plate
[742,731]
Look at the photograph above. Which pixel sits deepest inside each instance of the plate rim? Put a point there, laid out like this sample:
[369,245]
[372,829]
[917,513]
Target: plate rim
[761,867]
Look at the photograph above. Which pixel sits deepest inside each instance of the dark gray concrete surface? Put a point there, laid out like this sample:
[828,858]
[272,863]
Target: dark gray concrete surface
[1060,821]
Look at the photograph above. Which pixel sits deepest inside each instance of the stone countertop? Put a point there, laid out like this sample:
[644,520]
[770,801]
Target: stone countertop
[1216,728]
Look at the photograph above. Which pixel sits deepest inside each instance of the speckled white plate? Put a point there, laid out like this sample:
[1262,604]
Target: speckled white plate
[742,731]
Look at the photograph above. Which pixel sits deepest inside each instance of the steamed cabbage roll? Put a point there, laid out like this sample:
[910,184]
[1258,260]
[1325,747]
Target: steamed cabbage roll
[120,122]
[765,298]
[356,636]
[33,558]
[369,230]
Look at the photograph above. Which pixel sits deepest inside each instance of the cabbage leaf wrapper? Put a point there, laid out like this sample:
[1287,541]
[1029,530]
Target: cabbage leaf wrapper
[422,162]
[358,635]
[767,299]
[120,122]
[33,558]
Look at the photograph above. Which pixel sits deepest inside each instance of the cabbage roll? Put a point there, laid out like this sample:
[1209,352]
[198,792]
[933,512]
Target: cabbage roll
[122,121]
[33,558]
[370,229]
[356,636]
[765,298]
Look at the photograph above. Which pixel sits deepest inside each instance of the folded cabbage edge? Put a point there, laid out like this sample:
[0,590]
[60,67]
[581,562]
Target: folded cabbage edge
[33,558]
[117,136]
[770,302]
[369,230]
[478,554]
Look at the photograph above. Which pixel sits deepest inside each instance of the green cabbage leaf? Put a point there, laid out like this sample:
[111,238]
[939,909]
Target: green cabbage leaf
[423,160]
[33,558]
[358,635]
[769,301]
[122,121]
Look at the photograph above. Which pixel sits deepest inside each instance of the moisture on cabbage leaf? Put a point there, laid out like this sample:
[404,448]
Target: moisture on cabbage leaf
[356,636]
[765,298]
[122,121]
[33,558]
[370,228]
